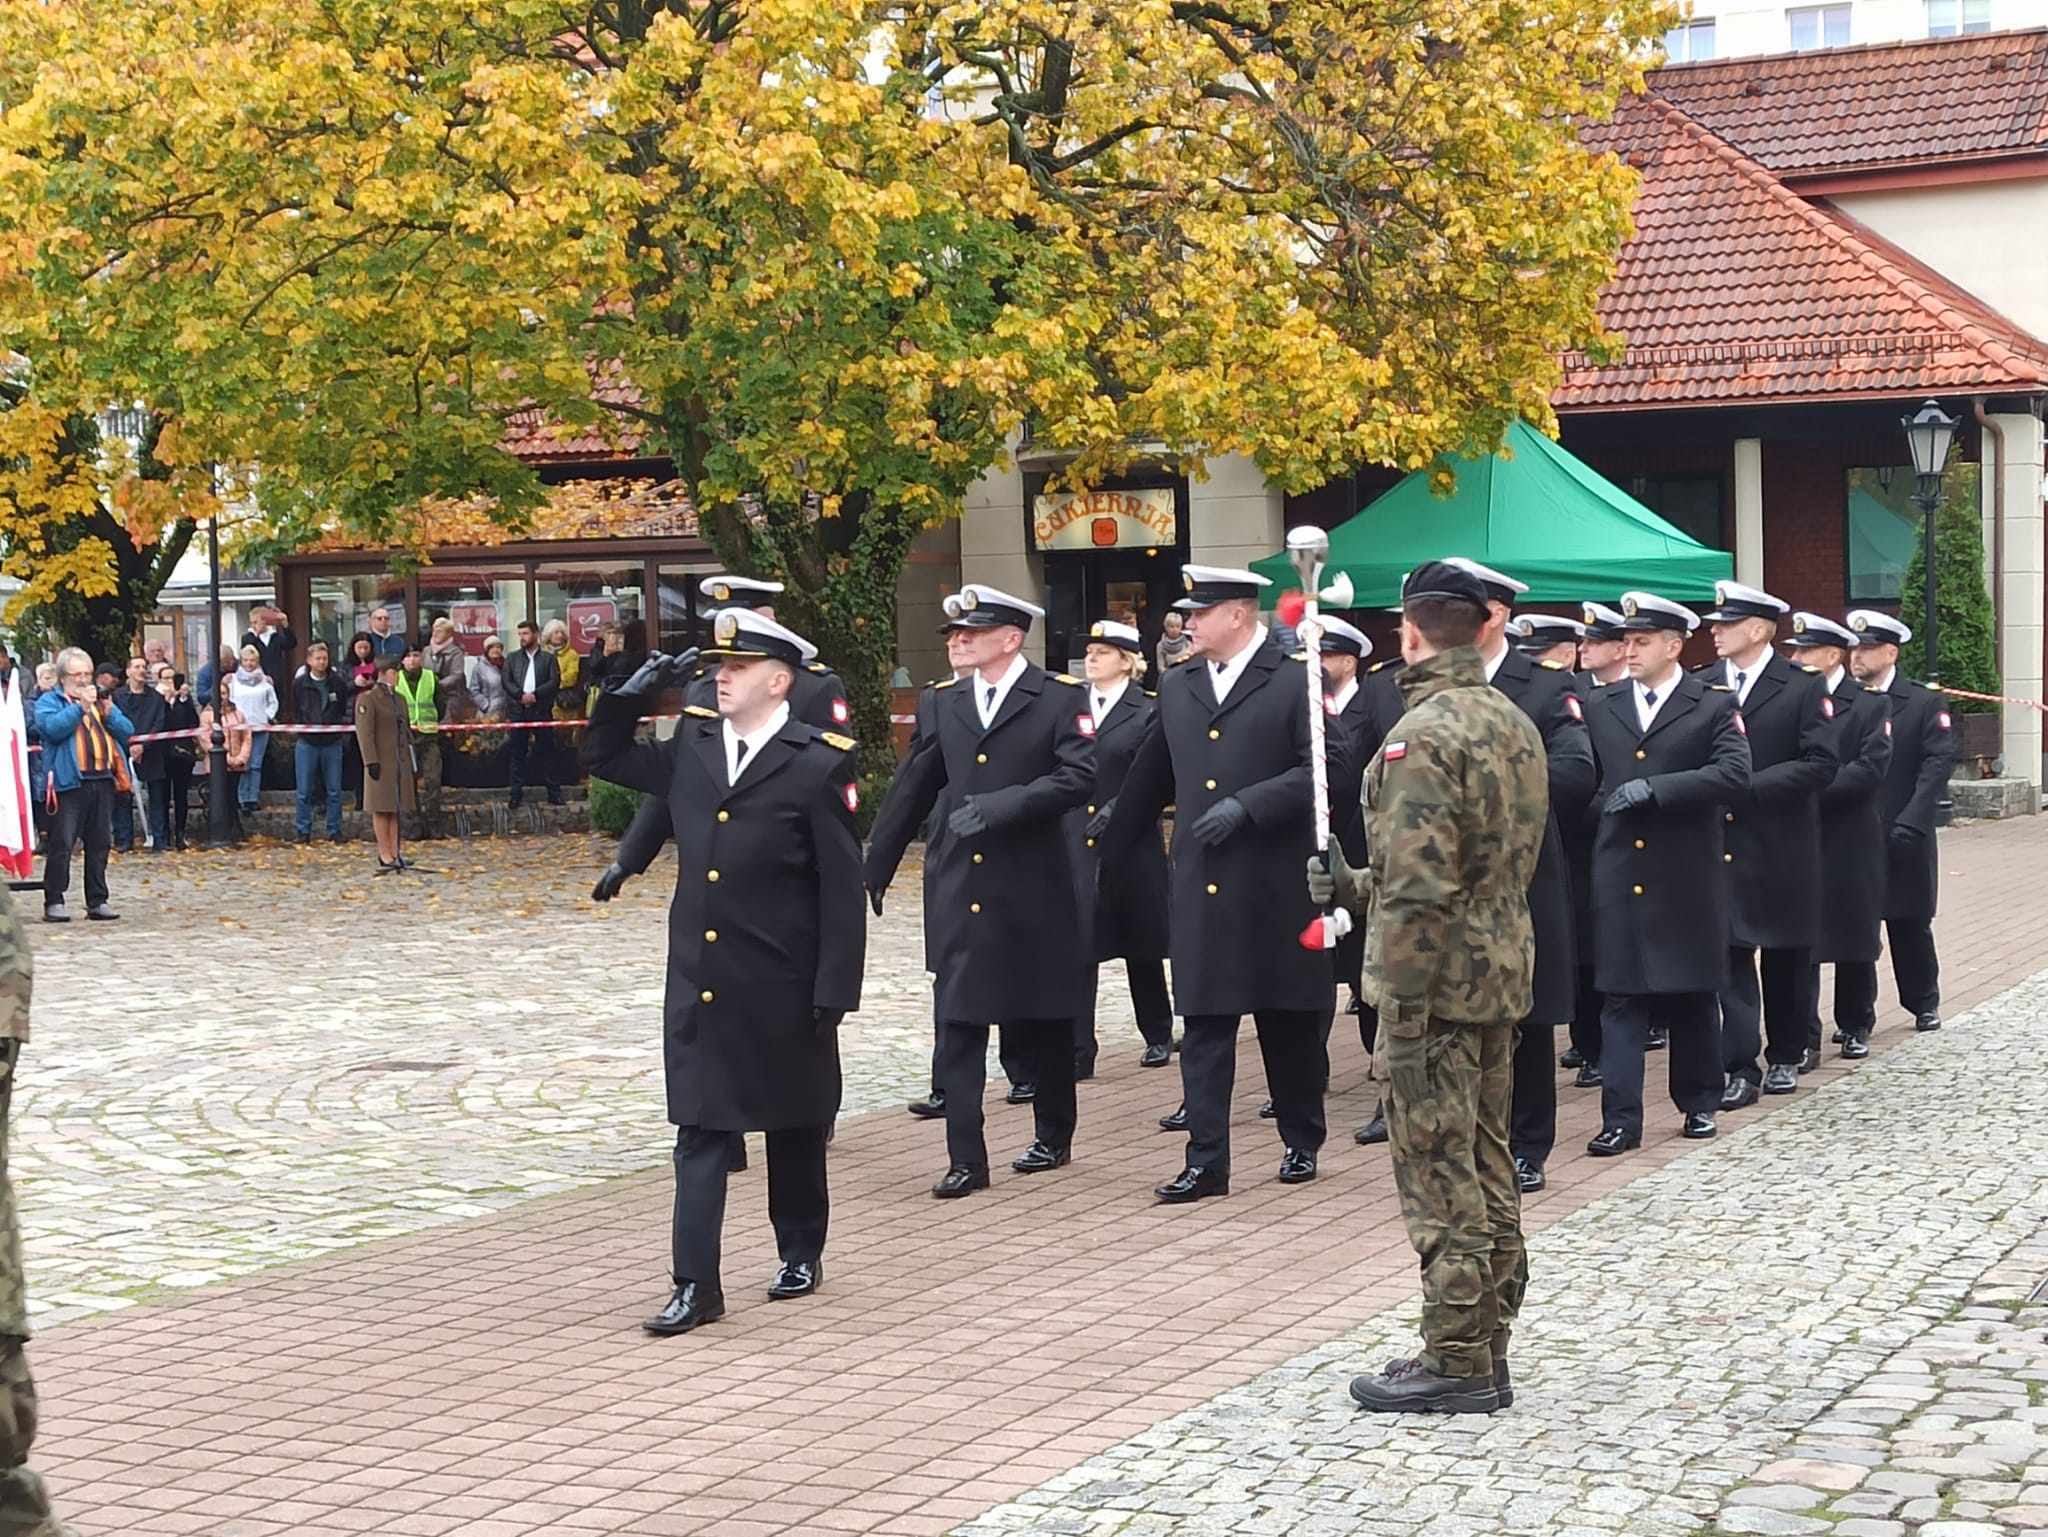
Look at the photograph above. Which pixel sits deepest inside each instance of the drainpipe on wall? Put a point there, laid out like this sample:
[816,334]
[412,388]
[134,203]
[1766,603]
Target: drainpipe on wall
[1996,434]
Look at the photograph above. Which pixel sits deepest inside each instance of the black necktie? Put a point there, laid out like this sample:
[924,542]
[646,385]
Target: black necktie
[988,705]
[1650,697]
[739,759]
[1738,684]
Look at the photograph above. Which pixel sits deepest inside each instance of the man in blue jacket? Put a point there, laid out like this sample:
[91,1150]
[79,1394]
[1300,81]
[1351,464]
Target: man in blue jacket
[85,740]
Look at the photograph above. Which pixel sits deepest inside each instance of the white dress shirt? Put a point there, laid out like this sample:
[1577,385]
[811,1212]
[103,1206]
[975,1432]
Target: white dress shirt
[532,683]
[1102,700]
[1835,678]
[1748,676]
[1223,676]
[989,697]
[1884,685]
[1647,709]
[1338,702]
[1493,662]
[736,762]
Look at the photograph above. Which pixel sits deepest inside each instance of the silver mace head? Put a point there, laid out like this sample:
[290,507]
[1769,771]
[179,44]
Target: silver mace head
[1308,547]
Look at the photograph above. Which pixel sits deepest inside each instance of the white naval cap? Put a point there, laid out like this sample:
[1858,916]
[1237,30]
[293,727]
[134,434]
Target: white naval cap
[1817,630]
[1114,632]
[1499,586]
[1209,585]
[1873,627]
[1647,611]
[1738,600]
[975,607]
[1601,622]
[742,633]
[1341,635]
[737,589]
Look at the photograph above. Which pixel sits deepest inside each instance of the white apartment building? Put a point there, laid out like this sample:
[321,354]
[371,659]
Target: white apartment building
[1728,29]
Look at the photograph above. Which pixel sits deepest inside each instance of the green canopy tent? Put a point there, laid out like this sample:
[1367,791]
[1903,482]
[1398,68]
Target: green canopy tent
[1541,516]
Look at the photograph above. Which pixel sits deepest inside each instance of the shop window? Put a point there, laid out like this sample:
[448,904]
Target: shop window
[587,595]
[340,605]
[1689,503]
[1885,528]
[676,592]
[481,600]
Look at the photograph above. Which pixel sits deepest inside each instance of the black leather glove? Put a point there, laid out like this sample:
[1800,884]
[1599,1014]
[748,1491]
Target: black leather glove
[1220,821]
[1099,823]
[1636,792]
[374,770]
[827,1020]
[655,674]
[875,899]
[967,820]
[610,883]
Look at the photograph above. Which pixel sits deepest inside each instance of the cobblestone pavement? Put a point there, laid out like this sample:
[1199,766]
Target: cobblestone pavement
[272,1056]
[1771,1307]
[1948,1438]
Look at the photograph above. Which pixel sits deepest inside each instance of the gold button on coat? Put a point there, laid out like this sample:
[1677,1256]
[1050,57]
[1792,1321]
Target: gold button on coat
[1091,811]
[1639,843]
[1215,735]
[711,875]
[981,757]
[1639,891]
[1208,784]
[706,996]
[1640,755]
[1212,888]
[711,936]
[1727,859]
[725,816]
[977,859]
[974,907]
[1091,843]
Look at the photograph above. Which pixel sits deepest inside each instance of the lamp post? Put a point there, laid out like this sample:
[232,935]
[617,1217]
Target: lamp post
[1929,433]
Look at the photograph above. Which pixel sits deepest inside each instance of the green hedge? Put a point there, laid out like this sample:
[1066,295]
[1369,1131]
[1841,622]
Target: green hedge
[612,807]
[1968,655]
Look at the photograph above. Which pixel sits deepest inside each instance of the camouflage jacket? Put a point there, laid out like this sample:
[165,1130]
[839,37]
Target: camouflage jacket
[1456,800]
[17,974]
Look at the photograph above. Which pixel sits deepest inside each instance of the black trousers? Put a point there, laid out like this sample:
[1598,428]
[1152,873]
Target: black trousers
[1045,1052]
[1291,1041]
[84,813]
[1916,969]
[1532,1124]
[1693,1058]
[1586,1017]
[1855,1002]
[540,747]
[797,1201]
[1148,999]
[1006,1051]
[1780,1012]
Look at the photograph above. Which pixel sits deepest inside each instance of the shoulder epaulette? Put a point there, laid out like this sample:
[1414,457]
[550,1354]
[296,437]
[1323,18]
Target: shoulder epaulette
[702,712]
[1297,656]
[945,683]
[1389,662]
[1069,678]
[1720,688]
[1553,666]
[1807,667]
[1149,693]
[834,739]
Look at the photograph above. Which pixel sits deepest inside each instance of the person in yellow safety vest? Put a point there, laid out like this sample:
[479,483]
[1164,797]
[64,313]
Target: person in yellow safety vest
[416,691]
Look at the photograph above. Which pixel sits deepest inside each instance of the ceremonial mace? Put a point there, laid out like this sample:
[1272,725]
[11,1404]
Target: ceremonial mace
[1308,548]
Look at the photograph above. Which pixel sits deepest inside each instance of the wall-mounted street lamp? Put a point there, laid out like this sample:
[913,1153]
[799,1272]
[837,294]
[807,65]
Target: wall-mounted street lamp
[1930,432]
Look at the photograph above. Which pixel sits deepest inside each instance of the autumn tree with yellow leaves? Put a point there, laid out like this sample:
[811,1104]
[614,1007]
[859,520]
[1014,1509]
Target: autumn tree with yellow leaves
[837,253]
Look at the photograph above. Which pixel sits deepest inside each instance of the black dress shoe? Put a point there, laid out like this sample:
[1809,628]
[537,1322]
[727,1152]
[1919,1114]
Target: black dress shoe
[691,1305]
[796,1278]
[1408,1387]
[1572,1057]
[1931,1020]
[1155,1056]
[958,1181]
[1809,1059]
[1589,1078]
[1354,1007]
[1739,1094]
[1373,1131]
[931,1108]
[1656,1040]
[1699,1126]
[1084,1069]
[1529,1176]
[1192,1185]
[736,1157]
[1297,1167]
[1840,1035]
[1781,1078]
[1037,1158]
[1178,1121]
[1266,1111]
[1022,1093]
[1613,1142]
[1855,1047]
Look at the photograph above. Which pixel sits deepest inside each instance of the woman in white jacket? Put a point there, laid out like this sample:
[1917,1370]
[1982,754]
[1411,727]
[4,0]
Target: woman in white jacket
[254,695]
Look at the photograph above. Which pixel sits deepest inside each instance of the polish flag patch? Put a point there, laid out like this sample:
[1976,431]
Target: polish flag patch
[1395,752]
[851,795]
[1740,724]
[1085,724]
[1827,707]
[1571,704]
[840,714]
[1946,724]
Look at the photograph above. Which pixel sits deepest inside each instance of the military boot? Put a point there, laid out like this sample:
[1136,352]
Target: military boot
[1502,1383]
[1409,1387]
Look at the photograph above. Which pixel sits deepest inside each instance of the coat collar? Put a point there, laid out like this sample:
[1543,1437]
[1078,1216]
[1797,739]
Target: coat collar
[1030,683]
[1620,698]
[1257,673]
[773,755]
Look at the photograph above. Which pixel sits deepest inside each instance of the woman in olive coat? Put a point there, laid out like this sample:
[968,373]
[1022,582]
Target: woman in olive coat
[385,737]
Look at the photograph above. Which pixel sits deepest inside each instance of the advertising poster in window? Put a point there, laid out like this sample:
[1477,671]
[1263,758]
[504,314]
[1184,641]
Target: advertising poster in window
[587,618]
[474,623]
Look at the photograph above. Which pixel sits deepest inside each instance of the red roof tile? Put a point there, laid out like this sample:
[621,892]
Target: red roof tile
[1891,104]
[530,435]
[1735,288]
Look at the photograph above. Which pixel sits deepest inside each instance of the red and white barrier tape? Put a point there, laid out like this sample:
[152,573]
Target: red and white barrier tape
[1963,693]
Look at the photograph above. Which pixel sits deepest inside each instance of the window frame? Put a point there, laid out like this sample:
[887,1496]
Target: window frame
[1958,20]
[1820,14]
[1691,31]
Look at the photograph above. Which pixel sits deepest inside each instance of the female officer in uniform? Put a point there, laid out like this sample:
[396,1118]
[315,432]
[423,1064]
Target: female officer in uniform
[1127,901]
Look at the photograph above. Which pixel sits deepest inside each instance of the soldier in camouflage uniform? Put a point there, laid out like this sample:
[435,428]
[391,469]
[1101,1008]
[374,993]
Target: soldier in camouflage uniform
[24,1503]
[1457,797]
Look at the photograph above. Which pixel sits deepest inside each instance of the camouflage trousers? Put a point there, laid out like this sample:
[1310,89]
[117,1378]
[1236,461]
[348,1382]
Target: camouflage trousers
[24,1503]
[1447,1102]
